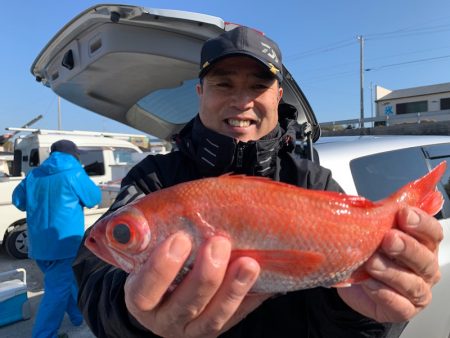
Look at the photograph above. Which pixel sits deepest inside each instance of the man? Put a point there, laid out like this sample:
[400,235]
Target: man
[238,129]
[53,196]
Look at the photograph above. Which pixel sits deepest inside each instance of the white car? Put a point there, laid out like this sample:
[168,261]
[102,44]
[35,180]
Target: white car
[375,167]
[139,66]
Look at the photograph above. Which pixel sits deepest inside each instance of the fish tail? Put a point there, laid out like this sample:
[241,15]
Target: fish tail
[422,192]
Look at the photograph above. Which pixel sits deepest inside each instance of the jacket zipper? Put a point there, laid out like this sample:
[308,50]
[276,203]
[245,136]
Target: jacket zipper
[240,155]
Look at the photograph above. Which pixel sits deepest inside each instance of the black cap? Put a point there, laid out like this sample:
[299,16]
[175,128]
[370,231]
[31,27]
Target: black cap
[242,41]
[66,146]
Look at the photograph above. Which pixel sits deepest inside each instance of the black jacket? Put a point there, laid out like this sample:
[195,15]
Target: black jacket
[309,313]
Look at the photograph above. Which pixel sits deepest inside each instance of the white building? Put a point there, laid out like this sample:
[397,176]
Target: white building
[429,101]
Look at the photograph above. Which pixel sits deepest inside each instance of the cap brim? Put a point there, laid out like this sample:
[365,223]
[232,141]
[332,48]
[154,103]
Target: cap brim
[278,75]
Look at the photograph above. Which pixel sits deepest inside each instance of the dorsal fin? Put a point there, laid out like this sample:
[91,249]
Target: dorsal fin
[355,201]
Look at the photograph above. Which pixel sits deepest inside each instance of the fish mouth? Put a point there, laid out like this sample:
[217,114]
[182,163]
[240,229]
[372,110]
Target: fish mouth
[110,255]
[125,262]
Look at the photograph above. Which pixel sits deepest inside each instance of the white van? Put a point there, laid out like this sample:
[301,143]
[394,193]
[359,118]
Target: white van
[106,157]
[6,160]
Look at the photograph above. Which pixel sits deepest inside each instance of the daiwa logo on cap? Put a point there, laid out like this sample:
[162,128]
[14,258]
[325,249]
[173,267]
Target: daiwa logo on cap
[269,51]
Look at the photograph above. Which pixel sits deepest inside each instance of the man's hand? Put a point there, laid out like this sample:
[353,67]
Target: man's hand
[403,270]
[211,298]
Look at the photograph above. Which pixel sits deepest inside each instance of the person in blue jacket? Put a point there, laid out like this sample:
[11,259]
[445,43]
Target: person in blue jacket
[53,196]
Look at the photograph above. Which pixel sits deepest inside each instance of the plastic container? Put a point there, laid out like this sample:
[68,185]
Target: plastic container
[14,303]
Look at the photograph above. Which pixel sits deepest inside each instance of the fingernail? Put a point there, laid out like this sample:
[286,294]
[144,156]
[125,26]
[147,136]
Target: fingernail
[220,251]
[179,247]
[244,276]
[413,218]
[397,245]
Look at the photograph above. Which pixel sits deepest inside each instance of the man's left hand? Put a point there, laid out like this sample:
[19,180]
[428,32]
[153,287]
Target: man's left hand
[403,270]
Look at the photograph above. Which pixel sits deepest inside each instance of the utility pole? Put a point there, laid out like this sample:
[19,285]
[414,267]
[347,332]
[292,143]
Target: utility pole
[371,103]
[361,79]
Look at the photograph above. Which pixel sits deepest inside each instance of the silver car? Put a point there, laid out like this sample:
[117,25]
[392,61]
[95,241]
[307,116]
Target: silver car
[375,167]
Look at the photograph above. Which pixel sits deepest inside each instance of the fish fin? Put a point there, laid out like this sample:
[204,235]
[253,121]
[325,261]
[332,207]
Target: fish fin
[266,180]
[432,202]
[355,201]
[286,262]
[422,192]
[357,276]
[343,284]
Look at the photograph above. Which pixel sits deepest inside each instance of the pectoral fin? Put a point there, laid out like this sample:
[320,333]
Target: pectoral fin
[357,276]
[286,262]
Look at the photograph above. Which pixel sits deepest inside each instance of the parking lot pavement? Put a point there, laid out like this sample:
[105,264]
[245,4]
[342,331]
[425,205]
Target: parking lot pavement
[35,290]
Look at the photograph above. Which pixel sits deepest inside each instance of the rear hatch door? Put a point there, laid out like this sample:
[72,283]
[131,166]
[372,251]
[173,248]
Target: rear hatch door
[139,66]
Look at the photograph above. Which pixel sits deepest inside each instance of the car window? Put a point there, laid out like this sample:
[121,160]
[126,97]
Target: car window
[437,154]
[17,163]
[379,175]
[34,157]
[175,105]
[92,161]
[123,155]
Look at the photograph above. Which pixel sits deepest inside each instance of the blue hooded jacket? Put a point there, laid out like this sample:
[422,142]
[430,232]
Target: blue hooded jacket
[53,196]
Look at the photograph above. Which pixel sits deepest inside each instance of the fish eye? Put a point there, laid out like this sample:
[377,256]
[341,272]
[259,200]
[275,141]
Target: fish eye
[121,233]
[128,231]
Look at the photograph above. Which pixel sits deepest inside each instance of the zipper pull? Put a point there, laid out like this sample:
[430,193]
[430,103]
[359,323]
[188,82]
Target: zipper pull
[240,155]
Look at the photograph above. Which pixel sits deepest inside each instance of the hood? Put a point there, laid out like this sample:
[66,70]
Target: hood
[58,162]
[139,66]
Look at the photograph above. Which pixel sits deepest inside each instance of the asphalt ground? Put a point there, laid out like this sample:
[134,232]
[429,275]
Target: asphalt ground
[35,290]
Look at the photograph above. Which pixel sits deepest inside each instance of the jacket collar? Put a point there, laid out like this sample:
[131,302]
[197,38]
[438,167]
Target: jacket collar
[215,154]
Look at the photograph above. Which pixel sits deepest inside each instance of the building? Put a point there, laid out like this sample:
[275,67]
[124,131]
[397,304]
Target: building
[421,110]
[427,102]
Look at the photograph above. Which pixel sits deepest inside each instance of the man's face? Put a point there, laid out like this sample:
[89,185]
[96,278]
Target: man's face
[239,98]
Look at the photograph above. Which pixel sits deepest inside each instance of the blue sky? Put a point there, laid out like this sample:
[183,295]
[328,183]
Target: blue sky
[407,44]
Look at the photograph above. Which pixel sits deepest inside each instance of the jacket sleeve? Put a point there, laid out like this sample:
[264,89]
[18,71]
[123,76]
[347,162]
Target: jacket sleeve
[101,297]
[88,192]
[19,196]
[101,286]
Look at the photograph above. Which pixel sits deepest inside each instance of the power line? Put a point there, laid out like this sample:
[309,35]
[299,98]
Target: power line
[403,32]
[328,48]
[330,76]
[406,62]
[409,32]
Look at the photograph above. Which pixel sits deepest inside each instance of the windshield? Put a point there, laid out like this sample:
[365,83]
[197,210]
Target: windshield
[124,155]
[175,105]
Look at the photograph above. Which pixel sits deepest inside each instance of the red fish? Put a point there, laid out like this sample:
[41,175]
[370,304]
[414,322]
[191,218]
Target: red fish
[301,238]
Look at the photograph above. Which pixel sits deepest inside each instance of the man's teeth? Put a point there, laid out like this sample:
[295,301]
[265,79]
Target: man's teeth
[239,123]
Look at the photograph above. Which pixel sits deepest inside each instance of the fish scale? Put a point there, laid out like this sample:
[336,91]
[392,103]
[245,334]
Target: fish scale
[301,238]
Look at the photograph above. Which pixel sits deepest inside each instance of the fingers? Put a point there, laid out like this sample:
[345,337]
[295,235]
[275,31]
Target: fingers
[387,305]
[207,300]
[420,225]
[405,267]
[390,277]
[415,244]
[145,289]
[240,278]
[197,289]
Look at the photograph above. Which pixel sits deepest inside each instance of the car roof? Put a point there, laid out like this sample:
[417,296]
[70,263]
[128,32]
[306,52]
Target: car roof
[336,152]
[139,66]
[349,147]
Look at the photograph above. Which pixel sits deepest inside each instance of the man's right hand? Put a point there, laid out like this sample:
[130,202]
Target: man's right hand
[212,297]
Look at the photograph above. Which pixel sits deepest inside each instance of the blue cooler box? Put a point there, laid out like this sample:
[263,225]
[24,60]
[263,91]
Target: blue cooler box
[14,303]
